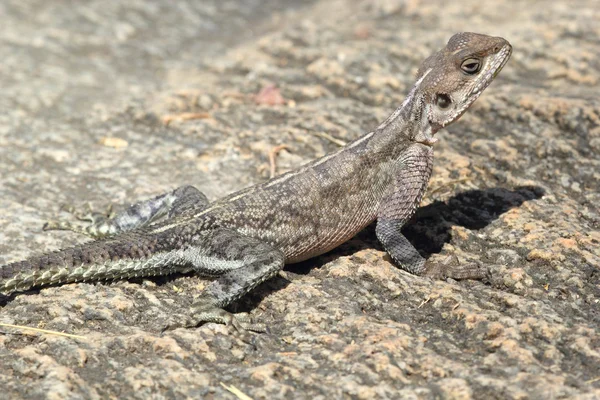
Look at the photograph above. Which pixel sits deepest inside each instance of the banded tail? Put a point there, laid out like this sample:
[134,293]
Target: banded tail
[120,257]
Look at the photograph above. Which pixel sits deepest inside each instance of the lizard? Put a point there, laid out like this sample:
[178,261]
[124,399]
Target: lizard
[247,237]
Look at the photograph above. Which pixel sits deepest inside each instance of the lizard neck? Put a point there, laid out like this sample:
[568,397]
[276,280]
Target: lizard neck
[408,124]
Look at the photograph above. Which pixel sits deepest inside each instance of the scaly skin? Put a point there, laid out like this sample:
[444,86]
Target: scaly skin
[247,237]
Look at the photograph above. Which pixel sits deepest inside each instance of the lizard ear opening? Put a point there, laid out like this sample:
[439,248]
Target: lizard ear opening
[443,101]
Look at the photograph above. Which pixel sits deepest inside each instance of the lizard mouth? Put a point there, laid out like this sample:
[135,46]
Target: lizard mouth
[428,141]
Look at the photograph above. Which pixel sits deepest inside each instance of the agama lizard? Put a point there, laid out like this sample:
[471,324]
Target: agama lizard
[247,237]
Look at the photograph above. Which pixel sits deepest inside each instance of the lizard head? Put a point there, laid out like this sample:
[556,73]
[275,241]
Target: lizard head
[451,79]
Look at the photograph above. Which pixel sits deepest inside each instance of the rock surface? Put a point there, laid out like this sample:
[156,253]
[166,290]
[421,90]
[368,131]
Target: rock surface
[112,102]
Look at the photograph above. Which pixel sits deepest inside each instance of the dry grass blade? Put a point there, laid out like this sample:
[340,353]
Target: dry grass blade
[593,380]
[236,392]
[167,119]
[273,159]
[28,328]
[330,138]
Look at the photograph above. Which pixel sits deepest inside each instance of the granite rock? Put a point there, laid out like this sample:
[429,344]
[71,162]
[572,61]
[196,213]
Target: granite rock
[112,102]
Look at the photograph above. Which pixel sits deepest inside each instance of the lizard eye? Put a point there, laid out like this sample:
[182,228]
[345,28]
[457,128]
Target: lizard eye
[443,101]
[471,66]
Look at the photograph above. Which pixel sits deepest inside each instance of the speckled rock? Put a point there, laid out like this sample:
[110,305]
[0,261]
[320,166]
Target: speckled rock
[112,102]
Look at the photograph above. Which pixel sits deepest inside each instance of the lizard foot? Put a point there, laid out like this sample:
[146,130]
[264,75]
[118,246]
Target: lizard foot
[92,219]
[452,268]
[241,324]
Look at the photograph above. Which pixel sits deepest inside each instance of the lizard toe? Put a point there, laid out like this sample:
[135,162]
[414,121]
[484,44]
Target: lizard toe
[451,268]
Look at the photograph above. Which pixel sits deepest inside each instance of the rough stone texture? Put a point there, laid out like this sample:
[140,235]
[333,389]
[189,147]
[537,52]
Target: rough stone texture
[87,89]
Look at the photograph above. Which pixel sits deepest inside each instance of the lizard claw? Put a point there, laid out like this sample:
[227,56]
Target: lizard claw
[173,323]
[241,324]
[91,220]
[63,226]
[87,214]
[452,268]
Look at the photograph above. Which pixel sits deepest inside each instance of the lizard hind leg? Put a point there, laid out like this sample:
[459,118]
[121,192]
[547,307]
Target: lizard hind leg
[241,263]
[135,216]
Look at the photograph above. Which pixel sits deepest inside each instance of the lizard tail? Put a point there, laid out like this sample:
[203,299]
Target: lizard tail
[115,258]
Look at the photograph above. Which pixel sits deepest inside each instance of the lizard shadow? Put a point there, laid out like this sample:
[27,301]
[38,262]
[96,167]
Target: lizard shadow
[431,226]
[7,298]
[428,230]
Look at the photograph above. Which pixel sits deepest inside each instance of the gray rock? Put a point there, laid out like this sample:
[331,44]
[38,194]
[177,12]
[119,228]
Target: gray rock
[111,102]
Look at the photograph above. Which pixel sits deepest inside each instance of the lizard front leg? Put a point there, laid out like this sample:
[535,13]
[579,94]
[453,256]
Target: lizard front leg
[412,174]
[137,215]
[240,263]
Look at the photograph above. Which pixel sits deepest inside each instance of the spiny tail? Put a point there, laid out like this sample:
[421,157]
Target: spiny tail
[121,257]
